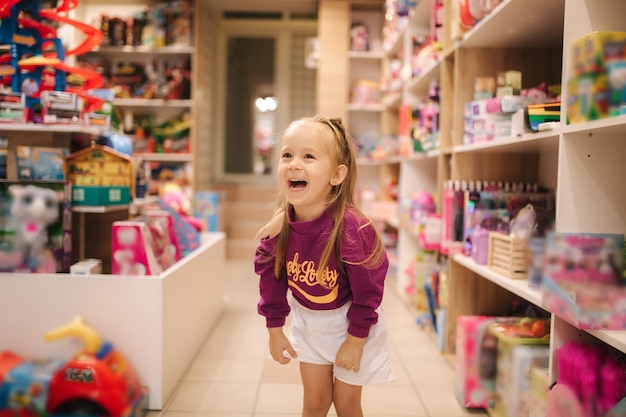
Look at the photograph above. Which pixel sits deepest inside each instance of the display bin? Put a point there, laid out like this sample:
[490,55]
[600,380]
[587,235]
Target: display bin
[508,255]
[158,322]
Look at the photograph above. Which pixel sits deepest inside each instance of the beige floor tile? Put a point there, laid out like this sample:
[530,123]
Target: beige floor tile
[215,397]
[390,399]
[278,399]
[200,414]
[442,402]
[225,370]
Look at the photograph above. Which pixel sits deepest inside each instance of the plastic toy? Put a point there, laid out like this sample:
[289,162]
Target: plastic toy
[97,381]
[175,197]
[34,208]
[35,62]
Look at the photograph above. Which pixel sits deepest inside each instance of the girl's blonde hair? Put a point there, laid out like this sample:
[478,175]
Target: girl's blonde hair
[341,147]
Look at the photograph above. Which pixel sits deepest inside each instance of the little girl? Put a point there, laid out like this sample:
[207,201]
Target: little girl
[323,248]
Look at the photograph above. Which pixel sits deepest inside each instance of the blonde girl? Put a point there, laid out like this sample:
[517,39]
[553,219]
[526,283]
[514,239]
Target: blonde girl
[326,251]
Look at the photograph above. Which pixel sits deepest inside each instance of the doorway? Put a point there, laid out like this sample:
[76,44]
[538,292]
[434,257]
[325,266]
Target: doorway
[263,84]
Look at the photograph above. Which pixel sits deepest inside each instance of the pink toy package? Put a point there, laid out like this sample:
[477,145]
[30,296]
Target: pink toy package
[164,235]
[475,361]
[582,280]
[133,253]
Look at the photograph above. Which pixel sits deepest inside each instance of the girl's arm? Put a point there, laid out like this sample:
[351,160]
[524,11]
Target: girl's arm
[367,282]
[273,304]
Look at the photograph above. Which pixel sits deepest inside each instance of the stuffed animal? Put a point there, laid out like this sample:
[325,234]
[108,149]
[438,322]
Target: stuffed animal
[34,209]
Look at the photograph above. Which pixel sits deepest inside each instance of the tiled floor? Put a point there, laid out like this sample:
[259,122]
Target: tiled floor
[234,376]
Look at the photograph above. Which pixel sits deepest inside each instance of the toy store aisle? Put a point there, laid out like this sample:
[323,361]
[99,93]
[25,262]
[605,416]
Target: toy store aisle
[234,376]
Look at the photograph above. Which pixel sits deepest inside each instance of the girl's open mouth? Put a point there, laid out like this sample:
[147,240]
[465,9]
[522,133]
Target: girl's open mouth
[297,184]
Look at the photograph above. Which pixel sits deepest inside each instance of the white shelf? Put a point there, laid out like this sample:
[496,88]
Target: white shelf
[53,128]
[100,209]
[518,287]
[609,125]
[152,102]
[165,157]
[519,24]
[528,143]
[145,50]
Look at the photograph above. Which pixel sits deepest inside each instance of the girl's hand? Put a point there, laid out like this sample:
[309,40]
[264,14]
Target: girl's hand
[350,352]
[279,344]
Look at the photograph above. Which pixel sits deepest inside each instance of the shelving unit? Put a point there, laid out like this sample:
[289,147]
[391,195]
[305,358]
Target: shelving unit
[581,162]
[159,109]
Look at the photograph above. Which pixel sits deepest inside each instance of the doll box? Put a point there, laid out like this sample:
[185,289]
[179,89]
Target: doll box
[475,362]
[508,255]
[132,250]
[520,348]
[583,279]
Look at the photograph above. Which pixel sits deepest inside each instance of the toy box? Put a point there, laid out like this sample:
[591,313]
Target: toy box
[100,176]
[592,52]
[587,98]
[166,247]
[187,237]
[132,250]
[539,385]
[475,362]
[61,107]
[39,163]
[583,279]
[35,226]
[12,107]
[522,345]
[206,208]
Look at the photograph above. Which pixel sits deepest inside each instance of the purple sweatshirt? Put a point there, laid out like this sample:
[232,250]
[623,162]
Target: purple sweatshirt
[362,286]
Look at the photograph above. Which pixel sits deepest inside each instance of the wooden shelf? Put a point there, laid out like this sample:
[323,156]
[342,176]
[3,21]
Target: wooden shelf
[518,287]
[608,126]
[420,84]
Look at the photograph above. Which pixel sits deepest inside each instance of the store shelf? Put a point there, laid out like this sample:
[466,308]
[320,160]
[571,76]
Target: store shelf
[165,157]
[519,24]
[528,143]
[392,101]
[420,84]
[608,126]
[615,338]
[145,50]
[52,128]
[100,209]
[152,102]
[516,286]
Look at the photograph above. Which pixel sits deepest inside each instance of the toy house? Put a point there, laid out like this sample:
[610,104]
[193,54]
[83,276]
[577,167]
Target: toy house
[100,176]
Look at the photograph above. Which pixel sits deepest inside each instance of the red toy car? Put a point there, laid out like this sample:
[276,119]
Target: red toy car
[96,382]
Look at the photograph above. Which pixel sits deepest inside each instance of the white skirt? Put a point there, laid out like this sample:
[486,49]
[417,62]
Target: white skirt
[316,336]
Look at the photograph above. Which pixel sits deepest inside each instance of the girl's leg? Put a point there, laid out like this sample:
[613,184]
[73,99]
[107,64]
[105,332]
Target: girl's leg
[347,399]
[317,381]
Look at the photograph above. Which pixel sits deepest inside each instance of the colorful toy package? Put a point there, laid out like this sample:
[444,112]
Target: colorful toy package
[133,250]
[583,280]
[35,226]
